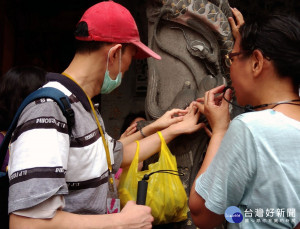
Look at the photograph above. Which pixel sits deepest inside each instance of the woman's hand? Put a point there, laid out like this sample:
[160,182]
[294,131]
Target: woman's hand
[235,26]
[215,108]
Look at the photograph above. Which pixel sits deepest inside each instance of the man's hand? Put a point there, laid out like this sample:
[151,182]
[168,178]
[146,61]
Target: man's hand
[189,123]
[136,216]
[132,216]
[170,117]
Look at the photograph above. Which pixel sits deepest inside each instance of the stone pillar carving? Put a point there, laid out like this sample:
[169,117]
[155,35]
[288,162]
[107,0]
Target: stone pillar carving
[192,37]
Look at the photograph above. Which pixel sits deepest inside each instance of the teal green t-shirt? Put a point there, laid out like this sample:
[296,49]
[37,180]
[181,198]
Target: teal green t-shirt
[257,169]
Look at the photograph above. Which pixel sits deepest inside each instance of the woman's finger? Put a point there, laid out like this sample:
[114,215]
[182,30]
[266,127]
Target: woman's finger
[212,94]
[218,89]
[237,23]
[227,96]
[200,99]
[218,98]
[206,98]
[238,17]
[200,107]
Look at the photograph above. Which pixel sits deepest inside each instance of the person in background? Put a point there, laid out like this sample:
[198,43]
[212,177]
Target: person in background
[250,174]
[128,128]
[130,123]
[68,177]
[15,86]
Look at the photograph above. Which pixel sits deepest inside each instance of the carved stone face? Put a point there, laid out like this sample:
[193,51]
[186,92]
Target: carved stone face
[192,37]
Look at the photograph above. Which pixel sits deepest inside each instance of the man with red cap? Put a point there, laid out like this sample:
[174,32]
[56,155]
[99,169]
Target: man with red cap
[63,177]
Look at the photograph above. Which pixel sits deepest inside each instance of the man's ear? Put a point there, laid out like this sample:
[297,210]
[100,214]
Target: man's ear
[257,61]
[114,52]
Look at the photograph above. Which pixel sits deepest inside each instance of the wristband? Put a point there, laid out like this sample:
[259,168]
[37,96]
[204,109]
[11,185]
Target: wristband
[142,133]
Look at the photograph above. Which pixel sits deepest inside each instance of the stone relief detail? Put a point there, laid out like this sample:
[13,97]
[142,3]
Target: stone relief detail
[204,28]
[192,37]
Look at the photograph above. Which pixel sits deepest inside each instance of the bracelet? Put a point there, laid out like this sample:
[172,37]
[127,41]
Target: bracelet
[142,133]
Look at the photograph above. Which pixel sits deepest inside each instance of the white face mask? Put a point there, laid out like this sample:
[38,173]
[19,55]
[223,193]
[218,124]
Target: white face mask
[108,84]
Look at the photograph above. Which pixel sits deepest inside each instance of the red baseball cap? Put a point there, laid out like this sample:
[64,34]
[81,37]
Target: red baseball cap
[111,22]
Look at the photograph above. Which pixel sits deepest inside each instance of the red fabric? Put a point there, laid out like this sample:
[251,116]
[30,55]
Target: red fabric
[111,22]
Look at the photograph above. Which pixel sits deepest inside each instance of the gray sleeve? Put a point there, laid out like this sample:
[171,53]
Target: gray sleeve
[39,156]
[118,156]
[44,210]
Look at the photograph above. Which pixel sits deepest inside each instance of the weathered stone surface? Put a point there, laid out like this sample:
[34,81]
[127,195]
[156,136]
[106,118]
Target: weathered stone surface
[192,37]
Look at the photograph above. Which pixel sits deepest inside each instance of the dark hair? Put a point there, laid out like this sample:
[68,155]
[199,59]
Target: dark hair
[88,46]
[85,46]
[129,119]
[278,37]
[15,86]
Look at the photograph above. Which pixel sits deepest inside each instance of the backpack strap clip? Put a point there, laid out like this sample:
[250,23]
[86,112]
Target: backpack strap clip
[68,112]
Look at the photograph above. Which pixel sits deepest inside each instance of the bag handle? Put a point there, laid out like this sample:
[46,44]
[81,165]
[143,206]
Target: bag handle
[143,184]
[137,153]
[168,171]
[162,140]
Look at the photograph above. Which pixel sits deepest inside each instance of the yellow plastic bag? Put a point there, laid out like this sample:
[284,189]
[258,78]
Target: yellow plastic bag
[166,195]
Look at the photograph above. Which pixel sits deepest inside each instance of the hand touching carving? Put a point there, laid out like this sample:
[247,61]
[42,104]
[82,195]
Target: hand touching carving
[235,26]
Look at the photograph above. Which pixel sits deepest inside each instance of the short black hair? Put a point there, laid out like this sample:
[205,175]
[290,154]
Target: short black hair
[86,46]
[15,86]
[278,37]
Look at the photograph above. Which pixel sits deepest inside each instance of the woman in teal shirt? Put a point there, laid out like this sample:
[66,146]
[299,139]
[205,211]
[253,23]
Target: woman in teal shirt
[250,174]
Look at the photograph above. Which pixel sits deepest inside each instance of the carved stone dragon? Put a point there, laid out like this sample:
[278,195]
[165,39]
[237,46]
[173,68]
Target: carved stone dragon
[204,29]
[192,36]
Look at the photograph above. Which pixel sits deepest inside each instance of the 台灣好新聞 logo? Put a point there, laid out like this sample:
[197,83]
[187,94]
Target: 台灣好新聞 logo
[233,215]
